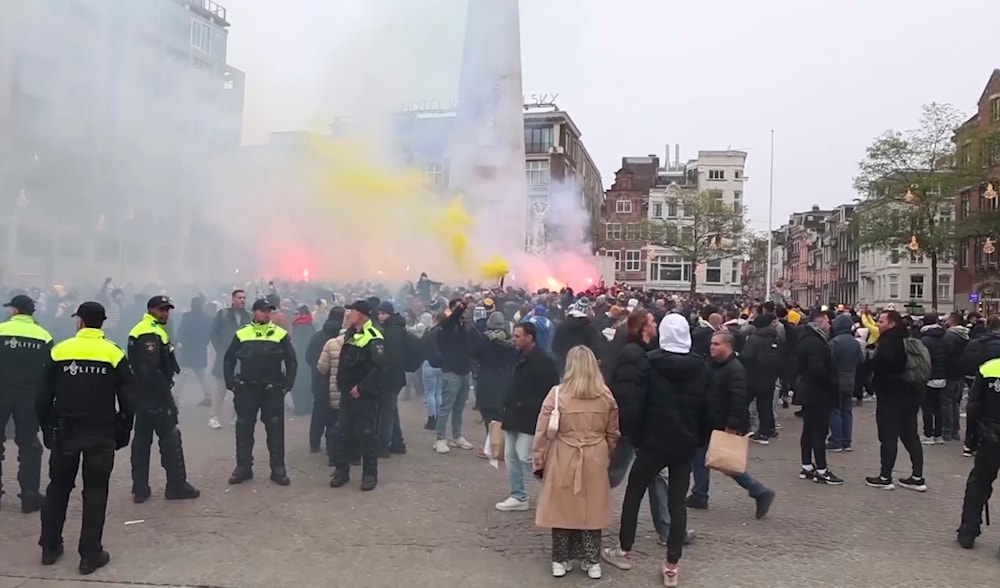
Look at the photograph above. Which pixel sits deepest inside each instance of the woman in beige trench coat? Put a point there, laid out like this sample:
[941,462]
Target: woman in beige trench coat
[575,501]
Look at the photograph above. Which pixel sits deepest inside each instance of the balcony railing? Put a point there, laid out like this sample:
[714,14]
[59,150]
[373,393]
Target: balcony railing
[210,10]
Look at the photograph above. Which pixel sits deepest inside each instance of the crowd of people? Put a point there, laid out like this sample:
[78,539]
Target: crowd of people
[587,390]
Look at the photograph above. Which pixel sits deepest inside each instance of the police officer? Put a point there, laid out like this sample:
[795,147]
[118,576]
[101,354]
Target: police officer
[154,364]
[983,412]
[261,348]
[360,378]
[24,350]
[76,410]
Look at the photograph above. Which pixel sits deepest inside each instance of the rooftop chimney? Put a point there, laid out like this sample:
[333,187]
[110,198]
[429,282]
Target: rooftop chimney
[677,153]
[666,162]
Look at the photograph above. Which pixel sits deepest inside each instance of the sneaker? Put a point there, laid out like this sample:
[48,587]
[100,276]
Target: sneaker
[926,440]
[696,502]
[914,483]
[880,483]
[848,448]
[827,477]
[834,448]
[559,568]
[670,575]
[778,426]
[805,474]
[764,502]
[441,446]
[618,558]
[511,504]
[939,440]
[462,443]
[213,423]
[760,439]
[594,571]
[967,452]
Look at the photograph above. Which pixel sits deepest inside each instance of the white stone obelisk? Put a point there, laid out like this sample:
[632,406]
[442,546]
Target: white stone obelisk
[486,149]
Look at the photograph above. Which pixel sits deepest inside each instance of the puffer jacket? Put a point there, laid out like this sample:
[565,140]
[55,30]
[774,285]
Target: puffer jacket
[932,336]
[669,414]
[957,338]
[621,372]
[847,352]
[979,351]
[327,364]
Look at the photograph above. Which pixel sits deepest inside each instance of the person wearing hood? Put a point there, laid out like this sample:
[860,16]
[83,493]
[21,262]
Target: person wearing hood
[932,336]
[543,326]
[576,329]
[302,333]
[848,355]
[764,360]
[957,338]
[667,421]
[497,356]
[701,333]
[322,419]
[817,389]
[393,327]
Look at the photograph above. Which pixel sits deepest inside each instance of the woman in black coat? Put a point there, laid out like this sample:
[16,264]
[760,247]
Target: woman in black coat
[494,350]
[193,336]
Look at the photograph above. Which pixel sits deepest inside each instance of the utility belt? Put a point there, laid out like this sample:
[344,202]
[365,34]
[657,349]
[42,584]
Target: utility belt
[266,385]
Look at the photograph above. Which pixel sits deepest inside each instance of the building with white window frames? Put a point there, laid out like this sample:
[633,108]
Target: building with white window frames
[903,279]
[720,173]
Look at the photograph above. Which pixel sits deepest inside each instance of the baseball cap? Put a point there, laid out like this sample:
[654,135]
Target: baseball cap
[91,311]
[159,302]
[262,304]
[22,303]
[362,306]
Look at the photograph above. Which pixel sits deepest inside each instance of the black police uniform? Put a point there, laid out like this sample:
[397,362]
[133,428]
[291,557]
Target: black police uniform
[76,409]
[362,366]
[267,372]
[154,364]
[983,411]
[24,351]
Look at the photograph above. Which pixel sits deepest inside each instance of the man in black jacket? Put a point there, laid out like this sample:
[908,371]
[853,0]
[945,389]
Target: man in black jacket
[984,417]
[957,337]
[533,377]
[455,345]
[321,422]
[933,338]
[225,324]
[897,407]
[764,362]
[816,389]
[576,329]
[727,405]
[390,435]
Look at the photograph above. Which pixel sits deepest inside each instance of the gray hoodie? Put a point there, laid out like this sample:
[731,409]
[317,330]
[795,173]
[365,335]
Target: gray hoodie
[847,353]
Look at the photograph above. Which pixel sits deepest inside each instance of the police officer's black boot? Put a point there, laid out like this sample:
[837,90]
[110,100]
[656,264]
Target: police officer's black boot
[244,452]
[369,468]
[91,563]
[178,487]
[50,555]
[275,429]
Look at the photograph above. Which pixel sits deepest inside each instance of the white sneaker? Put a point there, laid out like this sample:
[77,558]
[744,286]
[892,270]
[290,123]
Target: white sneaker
[594,571]
[441,446]
[461,443]
[511,504]
[939,440]
[213,423]
[559,568]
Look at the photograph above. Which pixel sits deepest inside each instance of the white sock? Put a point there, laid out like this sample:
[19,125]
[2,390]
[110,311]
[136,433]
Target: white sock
[821,472]
[807,467]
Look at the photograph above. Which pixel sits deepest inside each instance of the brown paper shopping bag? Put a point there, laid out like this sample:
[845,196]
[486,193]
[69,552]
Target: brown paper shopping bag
[727,453]
[496,441]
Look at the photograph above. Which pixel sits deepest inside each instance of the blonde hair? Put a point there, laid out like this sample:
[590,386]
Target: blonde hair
[583,376]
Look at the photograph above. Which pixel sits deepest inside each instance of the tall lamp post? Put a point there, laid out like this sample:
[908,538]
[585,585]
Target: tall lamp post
[770,222]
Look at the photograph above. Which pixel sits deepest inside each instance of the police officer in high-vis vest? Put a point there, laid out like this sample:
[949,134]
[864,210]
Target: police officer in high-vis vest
[81,384]
[24,350]
[154,364]
[360,376]
[983,418]
[267,372]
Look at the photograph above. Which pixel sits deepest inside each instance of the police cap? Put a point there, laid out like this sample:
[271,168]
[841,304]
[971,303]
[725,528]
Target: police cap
[22,303]
[159,302]
[91,311]
[362,306]
[262,305]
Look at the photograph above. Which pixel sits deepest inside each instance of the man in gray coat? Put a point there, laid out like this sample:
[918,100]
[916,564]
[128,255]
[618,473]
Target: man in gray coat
[848,355]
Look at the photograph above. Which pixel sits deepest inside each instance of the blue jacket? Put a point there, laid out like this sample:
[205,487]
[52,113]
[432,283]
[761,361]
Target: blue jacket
[545,331]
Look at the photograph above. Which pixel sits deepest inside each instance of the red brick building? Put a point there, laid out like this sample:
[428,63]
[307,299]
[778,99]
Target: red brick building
[977,272]
[624,214]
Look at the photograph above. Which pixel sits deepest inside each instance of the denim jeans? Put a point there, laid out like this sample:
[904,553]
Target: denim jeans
[517,456]
[454,394]
[755,416]
[618,467]
[389,432]
[431,377]
[842,421]
[701,479]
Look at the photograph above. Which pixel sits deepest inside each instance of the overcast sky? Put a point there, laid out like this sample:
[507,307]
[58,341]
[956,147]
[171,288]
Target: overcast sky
[636,75]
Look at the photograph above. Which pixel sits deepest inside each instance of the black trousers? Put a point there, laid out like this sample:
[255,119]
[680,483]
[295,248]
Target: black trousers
[321,420]
[896,418]
[98,457]
[931,411]
[979,487]
[267,401]
[644,469]
[163,422]
[356,433]
[812,442]
[490,414]
[21,408]
[765,408]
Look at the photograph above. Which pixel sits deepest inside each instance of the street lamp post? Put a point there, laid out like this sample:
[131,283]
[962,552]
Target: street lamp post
[770,221]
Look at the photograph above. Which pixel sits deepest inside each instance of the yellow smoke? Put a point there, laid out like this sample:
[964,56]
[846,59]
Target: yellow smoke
[354,184]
